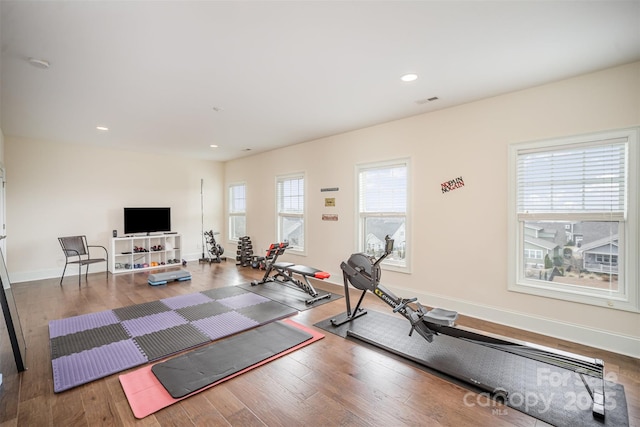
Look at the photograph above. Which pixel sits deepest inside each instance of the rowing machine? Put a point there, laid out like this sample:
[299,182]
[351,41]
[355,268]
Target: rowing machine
[363,272]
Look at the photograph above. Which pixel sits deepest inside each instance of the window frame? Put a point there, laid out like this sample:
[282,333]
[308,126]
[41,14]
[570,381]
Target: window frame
[361,216]
[280,215]
[627,297]
[233,214]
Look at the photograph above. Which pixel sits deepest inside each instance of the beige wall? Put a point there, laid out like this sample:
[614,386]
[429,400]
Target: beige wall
[1,148]
[58,189]
[459,239]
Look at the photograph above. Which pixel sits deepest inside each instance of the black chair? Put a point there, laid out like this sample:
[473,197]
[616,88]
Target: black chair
[76,251]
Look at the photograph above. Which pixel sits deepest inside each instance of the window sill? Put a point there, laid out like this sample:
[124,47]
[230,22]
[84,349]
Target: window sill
[600,299]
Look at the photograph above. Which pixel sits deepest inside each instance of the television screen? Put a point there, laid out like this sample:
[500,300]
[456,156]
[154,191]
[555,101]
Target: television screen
[146,220]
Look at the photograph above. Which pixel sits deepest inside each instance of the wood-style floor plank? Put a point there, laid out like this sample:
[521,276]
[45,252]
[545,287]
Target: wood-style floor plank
[333,382]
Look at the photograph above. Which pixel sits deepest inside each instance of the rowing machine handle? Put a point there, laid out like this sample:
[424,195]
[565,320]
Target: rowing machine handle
[388,248]
[388,245]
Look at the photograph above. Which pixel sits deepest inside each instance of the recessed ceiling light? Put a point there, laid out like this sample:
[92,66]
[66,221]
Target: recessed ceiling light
[217,109]
[39,63]
[409,77]
[102,128]
[213,146]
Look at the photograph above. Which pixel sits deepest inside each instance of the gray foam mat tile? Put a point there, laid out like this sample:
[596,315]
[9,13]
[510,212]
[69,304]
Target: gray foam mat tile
[201,311]
[140,310]
[85,340]
[245,300]
[267,311]
[169,341]
[219,293]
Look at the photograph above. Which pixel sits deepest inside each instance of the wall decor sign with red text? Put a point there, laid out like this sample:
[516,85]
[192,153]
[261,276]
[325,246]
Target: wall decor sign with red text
[452,184]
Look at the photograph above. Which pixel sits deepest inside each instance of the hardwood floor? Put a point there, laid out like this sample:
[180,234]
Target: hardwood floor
[332,382]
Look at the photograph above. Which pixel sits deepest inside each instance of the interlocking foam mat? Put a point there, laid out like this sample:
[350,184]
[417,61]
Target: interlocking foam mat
[147,395]
[91,346]
[552,394]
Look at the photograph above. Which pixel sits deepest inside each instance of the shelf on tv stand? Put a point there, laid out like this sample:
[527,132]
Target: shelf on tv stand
[125,258]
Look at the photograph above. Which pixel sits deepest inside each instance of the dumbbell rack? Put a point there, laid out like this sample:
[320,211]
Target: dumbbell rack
[244,252]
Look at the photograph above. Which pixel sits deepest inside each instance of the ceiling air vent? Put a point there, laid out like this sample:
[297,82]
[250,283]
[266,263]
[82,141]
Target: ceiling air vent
[424,101]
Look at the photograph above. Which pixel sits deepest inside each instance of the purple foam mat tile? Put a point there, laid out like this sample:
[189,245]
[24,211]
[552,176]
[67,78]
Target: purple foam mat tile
[182,301]
[224,324]
[80,368]
[81,323]
[153,323]
[243,300]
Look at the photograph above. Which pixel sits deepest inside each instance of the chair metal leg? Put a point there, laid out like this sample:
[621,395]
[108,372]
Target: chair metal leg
[80,273]
[65,269]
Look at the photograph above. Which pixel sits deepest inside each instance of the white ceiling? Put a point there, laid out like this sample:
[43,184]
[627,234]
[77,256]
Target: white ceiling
[281,72]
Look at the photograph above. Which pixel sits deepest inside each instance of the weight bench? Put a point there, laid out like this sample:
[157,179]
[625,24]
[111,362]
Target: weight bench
[283,273]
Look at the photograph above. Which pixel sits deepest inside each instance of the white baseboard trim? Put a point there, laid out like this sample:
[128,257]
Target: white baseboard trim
[598,338]
[52,273]
[29,276]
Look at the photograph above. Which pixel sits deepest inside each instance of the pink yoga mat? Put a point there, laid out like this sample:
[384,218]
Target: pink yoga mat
[146,395]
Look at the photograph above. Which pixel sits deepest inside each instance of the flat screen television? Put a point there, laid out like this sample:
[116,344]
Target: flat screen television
[146,220]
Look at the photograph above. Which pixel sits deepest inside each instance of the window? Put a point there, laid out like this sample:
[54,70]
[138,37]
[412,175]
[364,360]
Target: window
[575,199]
[532,253]
[290,194]
[237,211]
[383,190]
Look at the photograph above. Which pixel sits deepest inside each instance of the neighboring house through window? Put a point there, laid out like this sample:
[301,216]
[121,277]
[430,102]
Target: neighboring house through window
[574,201]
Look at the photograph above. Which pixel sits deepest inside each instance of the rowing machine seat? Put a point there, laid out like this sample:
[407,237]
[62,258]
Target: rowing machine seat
[441,316]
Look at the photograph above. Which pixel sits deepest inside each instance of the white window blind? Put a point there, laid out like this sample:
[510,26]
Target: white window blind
[291,195]
[588,179]
[383,189]
[237,211]
[238,199]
